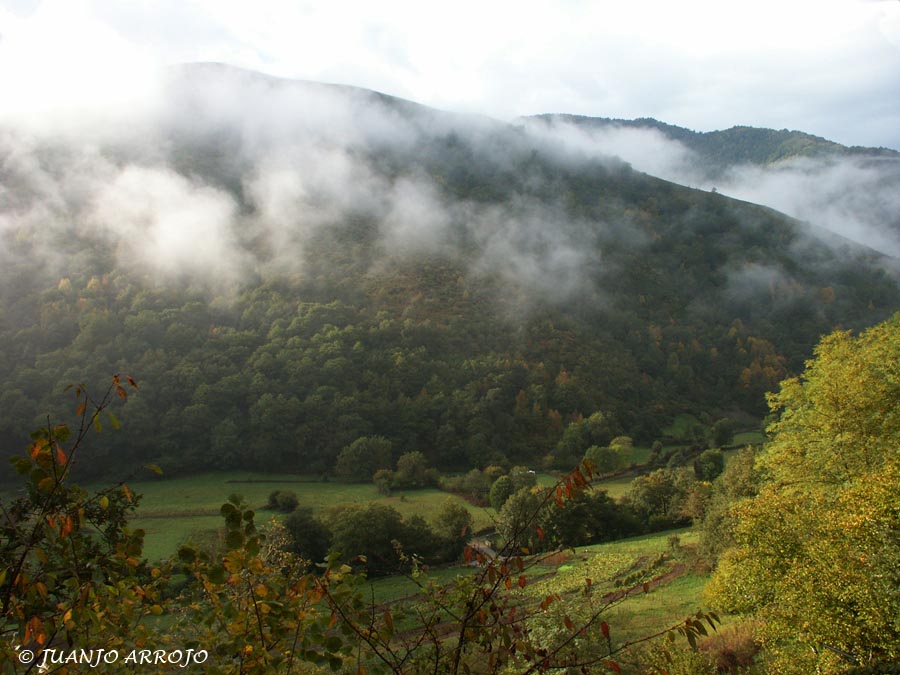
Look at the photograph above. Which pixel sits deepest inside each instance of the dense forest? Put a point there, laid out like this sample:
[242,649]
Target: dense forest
[452,284]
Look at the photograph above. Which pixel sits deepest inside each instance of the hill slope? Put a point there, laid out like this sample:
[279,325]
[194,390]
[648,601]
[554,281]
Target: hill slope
[287,266]
[721,149]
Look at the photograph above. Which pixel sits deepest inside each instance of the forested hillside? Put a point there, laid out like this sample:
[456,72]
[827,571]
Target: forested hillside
[286,267]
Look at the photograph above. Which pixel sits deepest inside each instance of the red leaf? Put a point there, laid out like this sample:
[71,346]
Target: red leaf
[540,533]
[569,624]
[522,581]
[604,628]
[613,666]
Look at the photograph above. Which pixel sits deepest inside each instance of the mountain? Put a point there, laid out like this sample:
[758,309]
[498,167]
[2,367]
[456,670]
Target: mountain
[739,145]
[287,266]
[851,191]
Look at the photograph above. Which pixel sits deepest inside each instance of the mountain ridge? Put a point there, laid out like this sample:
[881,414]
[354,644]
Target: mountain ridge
[776,144]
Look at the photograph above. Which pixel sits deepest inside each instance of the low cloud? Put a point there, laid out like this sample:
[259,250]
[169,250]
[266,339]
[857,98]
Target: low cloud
[231,175]
[855,197]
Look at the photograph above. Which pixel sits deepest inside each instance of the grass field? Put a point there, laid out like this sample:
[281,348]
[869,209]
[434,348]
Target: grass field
[675,594]
[172,511]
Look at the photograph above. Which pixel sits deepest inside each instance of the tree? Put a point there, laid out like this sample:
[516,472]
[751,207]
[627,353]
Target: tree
[384,481]
[282,500]
[709,465]
[310,537]
[604,460]
[359,461]
[453,525]
[366,534]
[815,550]
[412,471]
[598,429]
[721,433]
[501,490]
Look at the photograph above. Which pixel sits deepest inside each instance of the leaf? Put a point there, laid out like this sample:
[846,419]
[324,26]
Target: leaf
[613,666]
[98,427]
[61,458]
[112,419]
[389,621]
[604,628]
[128,494]
[540,533]
[569,624]
[522,581]
[154,468]
[131,381]
[121,393]
[79,411]
[104,502]
[67,527]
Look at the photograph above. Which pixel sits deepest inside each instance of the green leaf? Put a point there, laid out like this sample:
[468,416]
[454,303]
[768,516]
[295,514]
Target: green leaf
[217,574]
[234,539]
[21,464]
[113,420]
[154,468]
[186,554]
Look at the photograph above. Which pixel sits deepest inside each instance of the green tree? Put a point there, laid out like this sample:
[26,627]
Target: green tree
[815,550]
[709,465]
[721,433]
[359,461]
[603,459]
[501,490]
[310,537]
[412,471]
[366,534]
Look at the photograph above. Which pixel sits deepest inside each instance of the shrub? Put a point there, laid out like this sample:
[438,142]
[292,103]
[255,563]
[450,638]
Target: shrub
[284,501]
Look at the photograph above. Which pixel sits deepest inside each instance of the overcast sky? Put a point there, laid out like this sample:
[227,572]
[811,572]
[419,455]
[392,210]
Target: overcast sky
[830,68]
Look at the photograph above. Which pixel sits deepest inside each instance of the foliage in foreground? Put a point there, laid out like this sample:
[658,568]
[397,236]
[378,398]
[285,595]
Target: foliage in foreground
[816,551]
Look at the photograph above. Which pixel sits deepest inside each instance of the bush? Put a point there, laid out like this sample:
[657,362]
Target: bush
[284,501]
[384,481]
[310,537]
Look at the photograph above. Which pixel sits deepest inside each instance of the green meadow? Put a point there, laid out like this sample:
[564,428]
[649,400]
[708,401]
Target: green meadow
[173,511]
